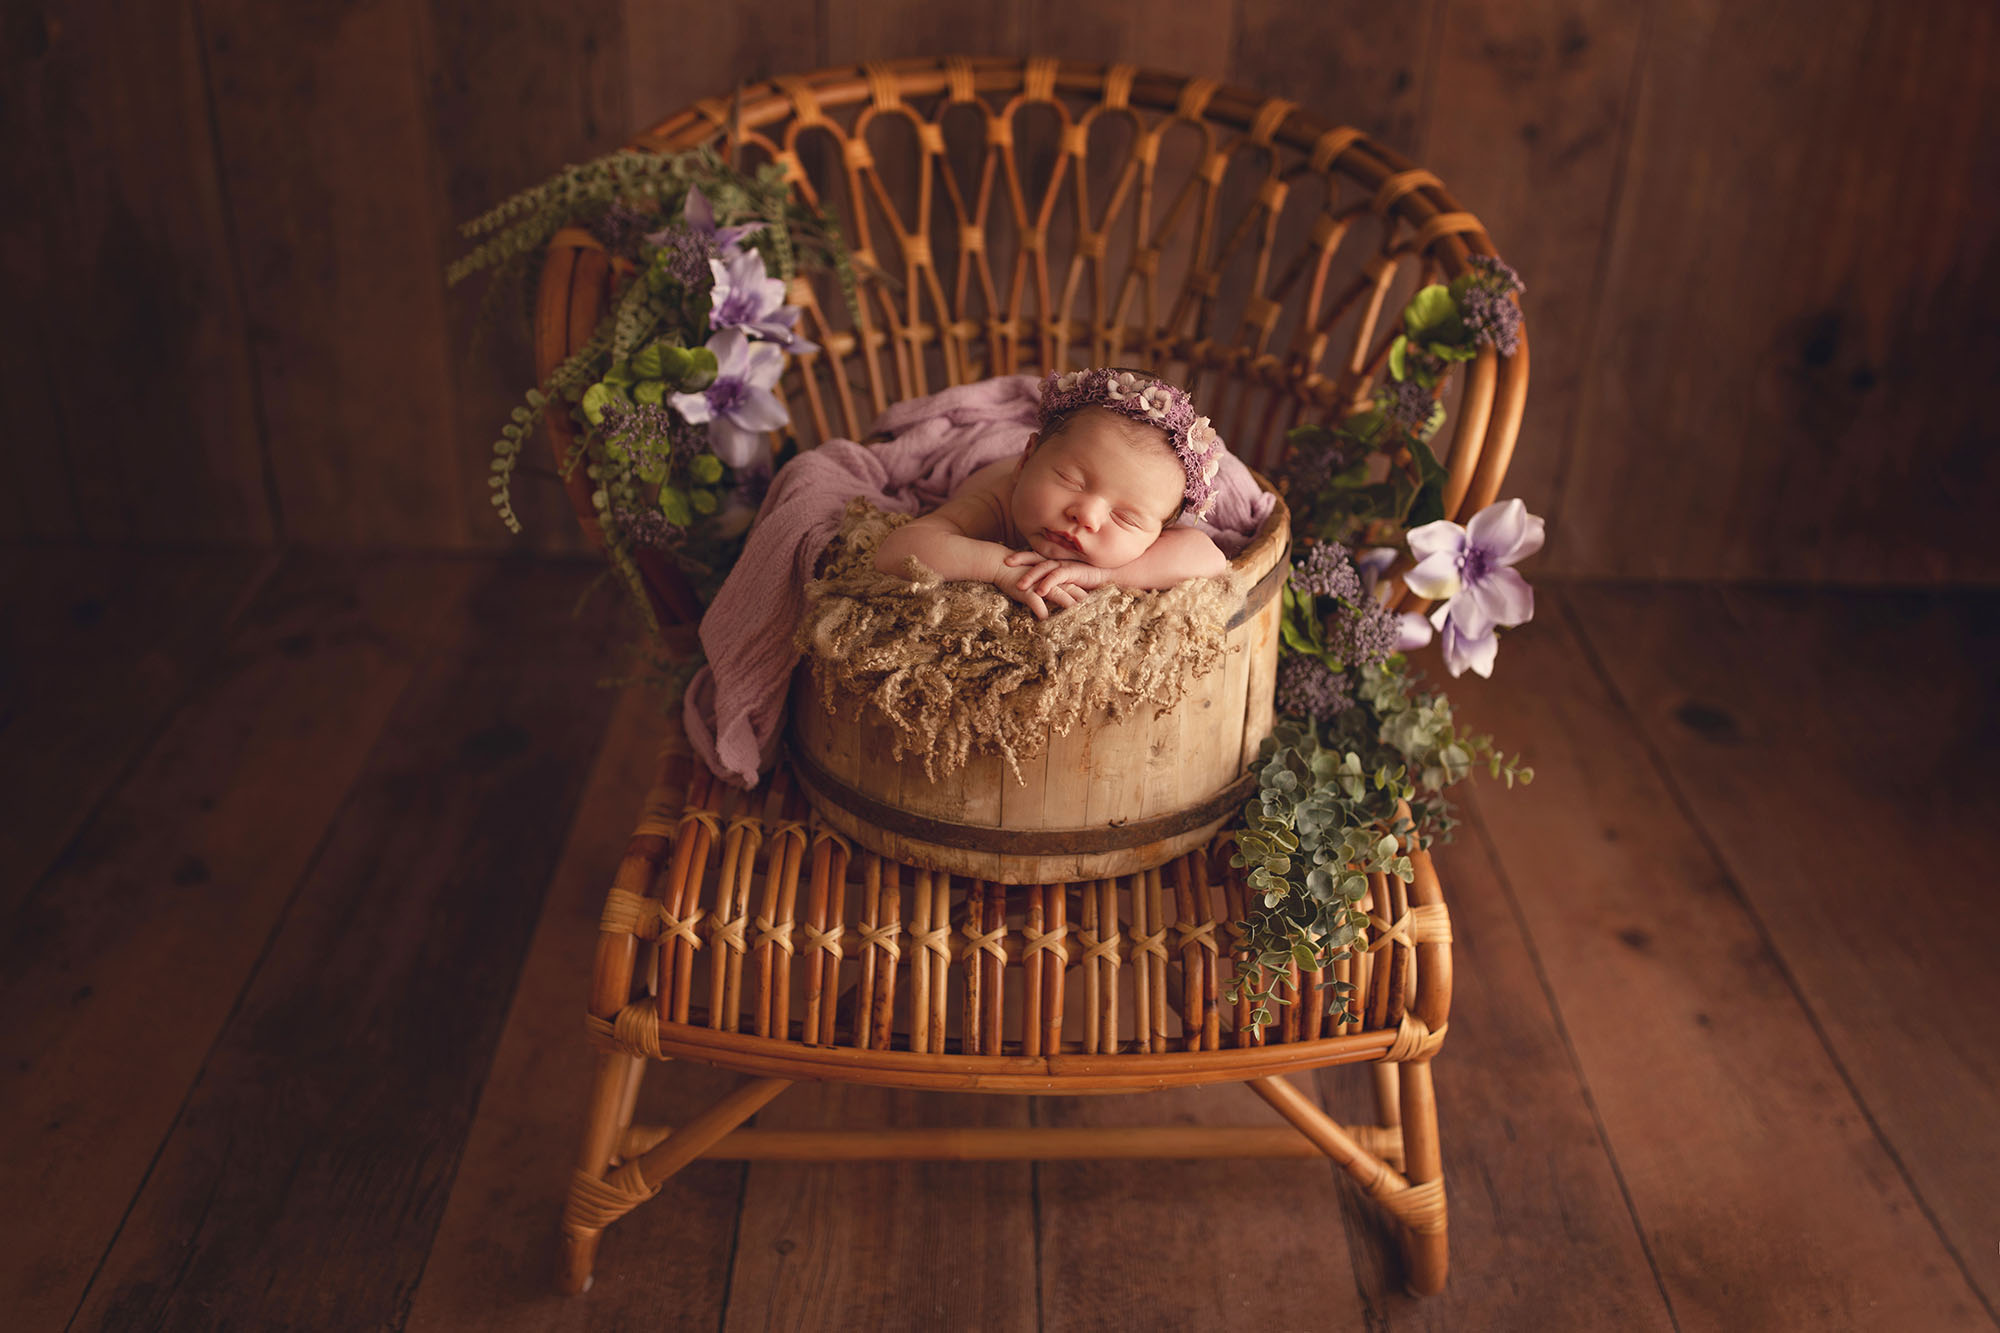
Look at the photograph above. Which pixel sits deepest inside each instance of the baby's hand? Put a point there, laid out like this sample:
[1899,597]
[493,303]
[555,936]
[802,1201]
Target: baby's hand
[1061,582]
[1010,580]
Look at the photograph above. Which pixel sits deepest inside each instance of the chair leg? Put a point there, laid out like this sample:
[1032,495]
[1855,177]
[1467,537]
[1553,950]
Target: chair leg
[596,1199]
[1388,1096]
[1425,1252]
[613,1094]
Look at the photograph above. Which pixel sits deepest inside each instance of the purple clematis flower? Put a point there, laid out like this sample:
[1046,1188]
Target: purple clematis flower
[1468,570]
[739,405]
[746,297]
[701,216]
[1412,630]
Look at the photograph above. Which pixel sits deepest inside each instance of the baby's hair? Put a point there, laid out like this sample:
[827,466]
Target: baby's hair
[1058,421]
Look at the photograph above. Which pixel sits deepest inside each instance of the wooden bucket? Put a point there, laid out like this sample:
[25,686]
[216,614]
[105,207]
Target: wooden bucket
[1110,798]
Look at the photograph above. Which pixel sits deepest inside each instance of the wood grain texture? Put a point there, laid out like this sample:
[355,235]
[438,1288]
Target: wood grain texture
[1195,37]
[1529,114]
[1857,822]
[512,91]
[39,499]
[493,1265]
[320,114]
[675,55]
[1524,1158]
[1187,1244]
[883,1244]
[1788,401]
[1744,1152]
[130,288]
[305,1177]
[858,30]
[172,890]
[1359,64]
[97,647]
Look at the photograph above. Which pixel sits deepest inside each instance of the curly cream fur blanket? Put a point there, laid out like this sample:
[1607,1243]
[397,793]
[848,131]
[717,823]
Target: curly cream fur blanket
[959,668]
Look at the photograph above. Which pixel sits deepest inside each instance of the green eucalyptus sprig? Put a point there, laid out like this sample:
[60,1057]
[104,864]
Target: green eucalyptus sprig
[1322,822]
[1396,723]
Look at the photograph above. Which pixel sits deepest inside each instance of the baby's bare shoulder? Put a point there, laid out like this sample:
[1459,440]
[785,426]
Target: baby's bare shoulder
[978,508]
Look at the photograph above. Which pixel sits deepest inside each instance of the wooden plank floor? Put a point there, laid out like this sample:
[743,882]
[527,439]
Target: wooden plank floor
[305,855]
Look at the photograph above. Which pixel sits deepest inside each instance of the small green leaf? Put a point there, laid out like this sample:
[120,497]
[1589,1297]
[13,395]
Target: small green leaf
[650,392]
[701,369]
[1397,350]
[674,507]
[675,363]
[646,365]
[706,469]
[703,501]
[1429,310]
[594,400]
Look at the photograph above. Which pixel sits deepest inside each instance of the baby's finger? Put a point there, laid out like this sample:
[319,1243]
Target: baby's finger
[1019,558]
[1037,578]
[1063,596]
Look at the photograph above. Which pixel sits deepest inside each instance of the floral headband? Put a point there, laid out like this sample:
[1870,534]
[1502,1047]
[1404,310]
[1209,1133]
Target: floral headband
[1152,403]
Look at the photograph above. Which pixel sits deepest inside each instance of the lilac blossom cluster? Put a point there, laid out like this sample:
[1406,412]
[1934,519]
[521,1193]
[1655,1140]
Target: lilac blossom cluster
[1309,466]
[621,228]
[1487,308]
[1365,636]
[1327,571]
[648,528]
[685,254]
[1308,687]
[1407,404]
[652,436]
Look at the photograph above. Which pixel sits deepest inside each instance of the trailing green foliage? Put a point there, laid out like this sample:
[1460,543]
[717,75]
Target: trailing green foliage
[653,483]
[1327,815]
[1321,823]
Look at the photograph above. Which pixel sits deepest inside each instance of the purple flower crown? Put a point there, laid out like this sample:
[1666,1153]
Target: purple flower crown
[1153,403]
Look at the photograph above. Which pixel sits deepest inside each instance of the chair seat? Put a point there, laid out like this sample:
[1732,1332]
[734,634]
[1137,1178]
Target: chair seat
[744,934]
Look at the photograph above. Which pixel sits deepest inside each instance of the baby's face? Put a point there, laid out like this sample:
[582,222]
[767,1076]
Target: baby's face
[1099,491]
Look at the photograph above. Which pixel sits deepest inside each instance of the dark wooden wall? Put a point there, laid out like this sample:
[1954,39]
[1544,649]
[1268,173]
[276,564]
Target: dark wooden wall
[1759,239]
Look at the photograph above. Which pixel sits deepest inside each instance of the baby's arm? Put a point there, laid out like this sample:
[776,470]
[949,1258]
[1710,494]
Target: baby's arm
[1178,555]
[956,540]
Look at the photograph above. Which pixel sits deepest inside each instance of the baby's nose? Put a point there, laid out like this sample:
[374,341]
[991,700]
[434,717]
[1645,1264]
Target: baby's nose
[1087,510]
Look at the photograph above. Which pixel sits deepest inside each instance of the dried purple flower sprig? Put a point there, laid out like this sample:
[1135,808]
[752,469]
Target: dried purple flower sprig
[1308,687]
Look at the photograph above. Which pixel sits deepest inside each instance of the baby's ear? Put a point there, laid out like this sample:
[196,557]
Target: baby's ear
[1033,440]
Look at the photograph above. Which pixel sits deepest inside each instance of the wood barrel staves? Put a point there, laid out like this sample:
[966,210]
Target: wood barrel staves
[1110,798]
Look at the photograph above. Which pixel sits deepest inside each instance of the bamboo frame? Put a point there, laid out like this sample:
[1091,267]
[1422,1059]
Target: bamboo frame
[865,969]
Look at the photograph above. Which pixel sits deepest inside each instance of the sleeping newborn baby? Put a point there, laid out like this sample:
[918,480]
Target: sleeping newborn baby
[1092,499]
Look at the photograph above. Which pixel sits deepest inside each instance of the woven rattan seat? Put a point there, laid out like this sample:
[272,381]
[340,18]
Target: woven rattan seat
[1016,216]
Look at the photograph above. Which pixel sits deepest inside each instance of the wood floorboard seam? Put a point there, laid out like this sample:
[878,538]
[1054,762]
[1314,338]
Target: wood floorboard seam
[1506,883]
[735,1245]
[1035,1217]
[239,303]
[1667,778]
[198,676]
[222,1028]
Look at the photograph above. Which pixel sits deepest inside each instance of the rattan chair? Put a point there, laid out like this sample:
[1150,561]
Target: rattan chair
[1012,216]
